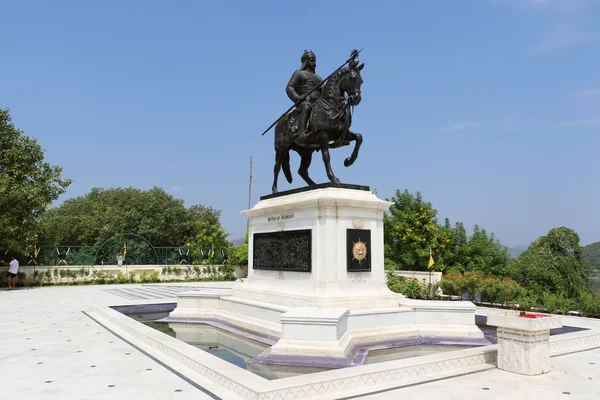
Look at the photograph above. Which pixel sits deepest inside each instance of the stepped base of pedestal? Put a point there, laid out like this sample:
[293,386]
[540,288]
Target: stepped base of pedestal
[330,337]
[351,295]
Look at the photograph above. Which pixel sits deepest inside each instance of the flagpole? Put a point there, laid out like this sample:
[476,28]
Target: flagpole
[249,196]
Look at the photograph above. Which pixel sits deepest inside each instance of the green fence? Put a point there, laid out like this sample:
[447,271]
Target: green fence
[125,249]
[129,252]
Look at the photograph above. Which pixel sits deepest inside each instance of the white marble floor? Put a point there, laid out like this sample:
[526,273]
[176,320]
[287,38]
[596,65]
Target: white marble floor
[573,376]
[50,349]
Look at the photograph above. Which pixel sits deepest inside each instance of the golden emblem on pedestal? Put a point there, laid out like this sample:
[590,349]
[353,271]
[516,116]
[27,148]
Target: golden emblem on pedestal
[359,250]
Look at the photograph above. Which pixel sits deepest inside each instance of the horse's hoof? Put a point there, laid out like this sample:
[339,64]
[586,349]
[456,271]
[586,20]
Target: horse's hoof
[347,162]
[335,180]
[274,190]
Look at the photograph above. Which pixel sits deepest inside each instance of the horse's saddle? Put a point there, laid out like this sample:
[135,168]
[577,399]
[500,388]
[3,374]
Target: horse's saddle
[327,113]
[293,123]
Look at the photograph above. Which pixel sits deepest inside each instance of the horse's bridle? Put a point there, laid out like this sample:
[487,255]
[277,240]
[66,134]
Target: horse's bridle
[350,96]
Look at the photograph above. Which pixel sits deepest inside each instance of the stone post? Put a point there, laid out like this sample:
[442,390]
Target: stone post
[523,341]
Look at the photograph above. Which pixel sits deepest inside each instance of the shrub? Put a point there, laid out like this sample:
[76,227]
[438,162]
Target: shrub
[490,289]
[590,304]
[37,277]
[154,276]
[20,279]
[100,277]
[144,277]
[389,264]
[197,271]
[557,304]
[226,272]
[527,301]
[239,255]
[412,287]
[122,278]
[471,283]
[509,290]
[451,284]
[84,272]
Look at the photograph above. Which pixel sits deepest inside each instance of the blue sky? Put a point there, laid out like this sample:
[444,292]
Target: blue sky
[491,109]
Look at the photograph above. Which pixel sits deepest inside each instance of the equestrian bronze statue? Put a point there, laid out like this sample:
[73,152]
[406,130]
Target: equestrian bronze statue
[321,119]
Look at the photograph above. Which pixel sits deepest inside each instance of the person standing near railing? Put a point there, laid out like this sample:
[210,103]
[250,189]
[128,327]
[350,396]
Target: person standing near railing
[13,268]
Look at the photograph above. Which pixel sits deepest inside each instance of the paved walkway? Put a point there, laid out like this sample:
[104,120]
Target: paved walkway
[49,349]
[574,376]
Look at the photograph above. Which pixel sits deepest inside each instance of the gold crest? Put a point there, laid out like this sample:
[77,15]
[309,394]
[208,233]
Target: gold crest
[359,251]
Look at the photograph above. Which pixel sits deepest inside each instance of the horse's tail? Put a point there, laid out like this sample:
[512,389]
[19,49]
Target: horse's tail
[286,167]
[283,144]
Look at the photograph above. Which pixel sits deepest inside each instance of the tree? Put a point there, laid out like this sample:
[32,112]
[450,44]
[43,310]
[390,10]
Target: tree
[481,253]
[553,263]
[591,254]
[202,213]
[410,230]
[28,186]
[208,233]
[102,213]
[207,227]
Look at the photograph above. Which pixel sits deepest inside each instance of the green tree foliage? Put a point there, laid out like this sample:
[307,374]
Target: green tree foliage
[28,185]
[239,255]
[103,213]
[481,252]
[553,263]
[201,213]
[208,232]
[591,254]
[410,228]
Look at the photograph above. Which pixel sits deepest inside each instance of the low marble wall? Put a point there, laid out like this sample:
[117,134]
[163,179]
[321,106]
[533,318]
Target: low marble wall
[422,276]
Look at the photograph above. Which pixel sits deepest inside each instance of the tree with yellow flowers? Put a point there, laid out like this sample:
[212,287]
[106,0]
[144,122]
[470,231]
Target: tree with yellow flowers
[411,230]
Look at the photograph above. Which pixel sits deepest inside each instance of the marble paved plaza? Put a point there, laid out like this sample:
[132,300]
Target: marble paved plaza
[50,349]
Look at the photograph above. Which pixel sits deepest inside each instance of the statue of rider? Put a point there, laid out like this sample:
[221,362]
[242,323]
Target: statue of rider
[302,82]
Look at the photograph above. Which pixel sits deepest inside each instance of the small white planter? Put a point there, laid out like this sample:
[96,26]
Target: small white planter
[523,343]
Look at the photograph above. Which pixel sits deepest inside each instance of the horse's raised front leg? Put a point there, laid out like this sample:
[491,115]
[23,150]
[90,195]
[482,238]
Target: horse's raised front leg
[324,142]
[306,155]
[357,137]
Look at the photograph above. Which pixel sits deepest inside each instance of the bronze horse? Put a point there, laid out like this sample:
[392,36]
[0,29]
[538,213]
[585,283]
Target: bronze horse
[330,121]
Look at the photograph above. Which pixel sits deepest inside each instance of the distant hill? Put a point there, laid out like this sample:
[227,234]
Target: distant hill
[591,254]
[515,251]
[238,242]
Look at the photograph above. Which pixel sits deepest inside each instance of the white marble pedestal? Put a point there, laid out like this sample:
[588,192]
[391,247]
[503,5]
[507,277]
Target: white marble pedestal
[313,307]
[523,343]
[327,213]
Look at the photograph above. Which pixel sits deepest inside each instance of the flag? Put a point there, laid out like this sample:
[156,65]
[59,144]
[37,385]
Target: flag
[124,249]
[213,253]
[431,262]
[35,252]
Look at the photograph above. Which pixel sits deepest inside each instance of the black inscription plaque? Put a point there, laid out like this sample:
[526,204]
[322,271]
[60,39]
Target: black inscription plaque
[358,254]
[283,251]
